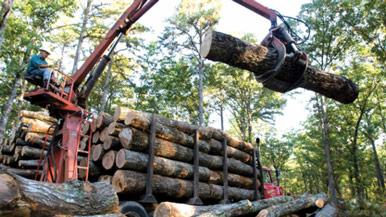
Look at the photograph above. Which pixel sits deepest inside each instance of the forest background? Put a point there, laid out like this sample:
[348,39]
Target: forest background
[316,143]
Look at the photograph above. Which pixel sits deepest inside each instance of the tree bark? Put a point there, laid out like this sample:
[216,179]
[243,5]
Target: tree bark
[37,137]
[120,113]
[378,167]
[83,29]
[131,160]
[7,108]
[328,211]
[106,88]
[165,132]
[5,10]
[231,141]
[290,207]
[6,111]
[201,89]
[26,173]
[111,142]
[258,59]
[136,140]
[35,143]
[133,183]
[136,161]
[179,125]
[324,122]
[32,198]
[38,126]
[216,148]
[104,120]
[30,163]
[32,153]
[240,208]
[37,115]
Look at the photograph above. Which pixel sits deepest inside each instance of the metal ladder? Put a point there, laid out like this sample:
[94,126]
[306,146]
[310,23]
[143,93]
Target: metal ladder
[87,152]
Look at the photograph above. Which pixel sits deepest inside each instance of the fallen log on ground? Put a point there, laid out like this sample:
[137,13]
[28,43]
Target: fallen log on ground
[31,198]
[303,202]
[258,59]
[240,208]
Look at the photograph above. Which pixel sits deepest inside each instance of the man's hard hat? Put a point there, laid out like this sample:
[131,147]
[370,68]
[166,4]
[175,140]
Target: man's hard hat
[45,49]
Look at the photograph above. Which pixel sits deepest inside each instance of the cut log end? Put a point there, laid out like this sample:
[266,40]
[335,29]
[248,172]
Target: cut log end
[206,44]
[108,160]
[120,158]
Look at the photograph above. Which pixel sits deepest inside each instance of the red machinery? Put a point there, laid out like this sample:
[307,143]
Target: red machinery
[68,102]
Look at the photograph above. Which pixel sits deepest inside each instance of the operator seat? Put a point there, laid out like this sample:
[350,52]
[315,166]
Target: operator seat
[35,79]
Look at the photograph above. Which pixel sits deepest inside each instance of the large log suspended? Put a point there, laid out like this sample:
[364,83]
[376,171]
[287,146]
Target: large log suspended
[303,202]
[23,197]
[133,183]
[241,208]
[258,59]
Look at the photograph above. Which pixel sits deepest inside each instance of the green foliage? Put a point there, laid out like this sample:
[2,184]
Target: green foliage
[356,127]
[27,28]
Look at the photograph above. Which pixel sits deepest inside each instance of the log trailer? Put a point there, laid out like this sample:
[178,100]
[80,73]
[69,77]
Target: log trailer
[68,102]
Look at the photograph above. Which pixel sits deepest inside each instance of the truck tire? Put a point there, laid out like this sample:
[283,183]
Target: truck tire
[133,209]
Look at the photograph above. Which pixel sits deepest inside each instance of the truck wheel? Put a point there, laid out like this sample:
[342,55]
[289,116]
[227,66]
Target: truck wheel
[133,209]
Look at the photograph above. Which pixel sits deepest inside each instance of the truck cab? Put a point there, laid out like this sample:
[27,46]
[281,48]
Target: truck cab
[271,185]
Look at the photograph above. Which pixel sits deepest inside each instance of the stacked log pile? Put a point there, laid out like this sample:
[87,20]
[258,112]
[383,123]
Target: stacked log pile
[24,150]
[120,156]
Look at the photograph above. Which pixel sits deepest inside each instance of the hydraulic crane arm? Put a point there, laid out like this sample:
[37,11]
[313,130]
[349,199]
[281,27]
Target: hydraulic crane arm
[259,9]
[137,9]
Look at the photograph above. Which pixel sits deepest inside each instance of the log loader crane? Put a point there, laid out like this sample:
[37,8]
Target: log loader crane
[68,102]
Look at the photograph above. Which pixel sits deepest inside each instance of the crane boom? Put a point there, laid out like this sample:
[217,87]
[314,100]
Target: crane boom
[68,103]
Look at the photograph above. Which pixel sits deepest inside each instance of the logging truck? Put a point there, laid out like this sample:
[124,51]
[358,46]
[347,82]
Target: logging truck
[150,159]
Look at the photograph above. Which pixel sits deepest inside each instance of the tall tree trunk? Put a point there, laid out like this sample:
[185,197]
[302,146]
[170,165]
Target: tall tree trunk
[5,10]
[106,88]
[86,17]
[378,167]
[7,108]
[322,109]
[354,151]
[200,92]
[222,116]
[60,65]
